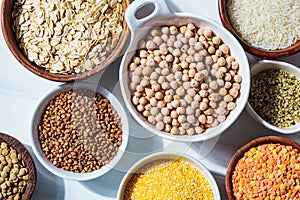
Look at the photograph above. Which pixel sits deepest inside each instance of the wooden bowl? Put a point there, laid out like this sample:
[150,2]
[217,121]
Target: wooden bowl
[26,157]
[248,47]
[240,153]
[10,39]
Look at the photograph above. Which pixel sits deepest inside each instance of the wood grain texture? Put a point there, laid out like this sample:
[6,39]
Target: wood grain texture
[26,157]
[248,47]
[10,39]
[240,153]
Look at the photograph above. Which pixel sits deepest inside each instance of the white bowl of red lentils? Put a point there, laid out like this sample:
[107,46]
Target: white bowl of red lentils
[265,168]
[79,131]
[184,77]
[274,99]
[168,175]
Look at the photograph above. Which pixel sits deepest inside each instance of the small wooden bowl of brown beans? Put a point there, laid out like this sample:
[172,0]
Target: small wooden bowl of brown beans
[267,167]
[184,77]
[68,43]
[18,172]
[79,131]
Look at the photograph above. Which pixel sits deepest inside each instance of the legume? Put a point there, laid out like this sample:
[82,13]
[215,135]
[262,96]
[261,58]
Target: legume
[167,179]
[186,69]
[13,173]
[268,171]
[275,96]
[80,131]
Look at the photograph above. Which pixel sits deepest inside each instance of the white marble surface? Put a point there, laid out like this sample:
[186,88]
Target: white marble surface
[20,92]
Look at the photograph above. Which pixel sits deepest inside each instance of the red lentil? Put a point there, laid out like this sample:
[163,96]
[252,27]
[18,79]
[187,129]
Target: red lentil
[268,171]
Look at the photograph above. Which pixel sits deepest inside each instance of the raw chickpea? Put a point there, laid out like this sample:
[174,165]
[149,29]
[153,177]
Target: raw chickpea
[165,71]
[213,85]
[175,103]
[204,86]
[173,30]
[165,30]
[237,78]
[219,74]
[191,51]
[188,34]
[189,110]
[183,29]
[170,42]
[215,123]
[192,42]
[174,114]
[236,86]
[213,104]
[153,101]
[154,32]
[208,60]
[189,59]
[197,98]
[208,111]
[222,91]
[160,126]
[227,85]
[161,79]
[164,37]
[159,117]
[209,119]
[203,93]
[202,119]
[215,58]
[228,98]
[150,45]
[174,131]
[178,44]
[211,50]
[188,99]
[198,46]
[213,71]
[147,71]
[142,44]
[194,83]
[235,65]
[232,73]
[192,72]
[140,88]
[169,106]
[198,57]
[224,48]
[233,92]
[220,82]
[191,119]
[185,77]
[231,106]
[176,52]
[221,118]
[159,95]
[181,119]
[154,111]
[168,98]
[227,77]
[140,108]
[143,101]
[221,61]
[155,87]
[180,110]
[185,41]
[195,104]
[173,85]
[220,110]
[190,131]
[154,76]
[203,106]
[199,130]
[213,97]
[180,91]
[230,59]
[216,40]
[135,100]
[208,33]
[151,119]
[146,113]
[191,26]
[167,119]
[144,82]
[203,52]
[132,86]
[169,58]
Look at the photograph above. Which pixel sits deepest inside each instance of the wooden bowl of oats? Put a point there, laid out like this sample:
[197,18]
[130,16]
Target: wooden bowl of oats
[73,42]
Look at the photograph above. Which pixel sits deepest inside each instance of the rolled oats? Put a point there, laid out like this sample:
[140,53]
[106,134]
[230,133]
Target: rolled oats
[67,37]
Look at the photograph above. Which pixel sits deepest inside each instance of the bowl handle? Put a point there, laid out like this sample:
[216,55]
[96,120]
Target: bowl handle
[160,8]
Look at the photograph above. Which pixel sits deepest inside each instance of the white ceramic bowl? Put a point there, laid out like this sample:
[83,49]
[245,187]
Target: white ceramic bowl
[272,64]
[36,121]
[168,156]
[163,16]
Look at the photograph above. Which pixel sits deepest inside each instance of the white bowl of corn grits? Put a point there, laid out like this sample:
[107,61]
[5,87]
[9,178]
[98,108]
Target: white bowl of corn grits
[198,116]
[278,107]
[168,176]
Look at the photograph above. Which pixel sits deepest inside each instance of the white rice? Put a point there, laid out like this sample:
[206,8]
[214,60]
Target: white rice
[266,24]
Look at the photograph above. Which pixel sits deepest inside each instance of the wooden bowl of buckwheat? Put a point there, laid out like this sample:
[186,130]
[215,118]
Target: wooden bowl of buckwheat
[73,42]
[79,131]
[18,173]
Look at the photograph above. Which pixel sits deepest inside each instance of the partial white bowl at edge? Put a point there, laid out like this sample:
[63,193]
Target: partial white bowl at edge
[271,64]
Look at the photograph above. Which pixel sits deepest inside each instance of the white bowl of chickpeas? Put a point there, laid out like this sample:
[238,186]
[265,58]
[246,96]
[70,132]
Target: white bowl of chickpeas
[184,77]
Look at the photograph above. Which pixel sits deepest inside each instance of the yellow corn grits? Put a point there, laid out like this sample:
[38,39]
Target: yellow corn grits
[168,179]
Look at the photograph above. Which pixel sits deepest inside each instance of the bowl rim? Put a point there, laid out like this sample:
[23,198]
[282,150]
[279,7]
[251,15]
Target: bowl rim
[240,153]
[12,44]
[185,138]
[35,120]
[263,65]
[293,49]
[169,155]
[27,158]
